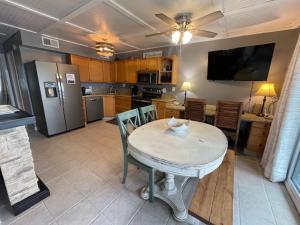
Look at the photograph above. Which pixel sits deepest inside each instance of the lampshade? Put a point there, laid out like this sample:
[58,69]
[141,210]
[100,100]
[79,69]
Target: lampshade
[266,89]
[105,49]
[176,36]
[187,36]
[186,86]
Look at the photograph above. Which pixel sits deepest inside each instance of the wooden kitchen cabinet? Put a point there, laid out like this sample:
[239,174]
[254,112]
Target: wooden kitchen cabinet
[83,67]
[160,108]
[153,63]
[112,71]
[107,75]
[109,106]
[96,71]
[257,139]
[132,68]
[121,71]
[149,63]
[122,103]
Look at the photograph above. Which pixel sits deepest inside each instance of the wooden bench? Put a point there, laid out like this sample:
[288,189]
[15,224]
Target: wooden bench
[212,202]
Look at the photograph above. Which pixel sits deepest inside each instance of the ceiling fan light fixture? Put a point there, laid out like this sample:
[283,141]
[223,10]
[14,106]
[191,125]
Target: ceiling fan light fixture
[105,49]
[176,36]
[187,36]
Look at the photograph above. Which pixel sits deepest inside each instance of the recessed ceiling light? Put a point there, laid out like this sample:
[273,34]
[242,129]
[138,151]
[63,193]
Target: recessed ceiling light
[65,40]
[32,10]
[81,28]
[3,34]
[20,28]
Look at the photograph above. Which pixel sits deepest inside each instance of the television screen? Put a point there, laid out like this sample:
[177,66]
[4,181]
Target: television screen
[244,64]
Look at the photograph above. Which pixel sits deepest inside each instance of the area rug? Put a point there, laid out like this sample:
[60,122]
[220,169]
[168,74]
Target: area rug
[112,121]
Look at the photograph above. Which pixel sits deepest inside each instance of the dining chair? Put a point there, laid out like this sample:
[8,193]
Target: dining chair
[227,118]
[148,113]
[128,121]
[195,109]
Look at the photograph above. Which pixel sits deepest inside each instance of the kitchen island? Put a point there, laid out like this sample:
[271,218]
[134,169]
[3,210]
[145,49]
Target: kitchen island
[23,187]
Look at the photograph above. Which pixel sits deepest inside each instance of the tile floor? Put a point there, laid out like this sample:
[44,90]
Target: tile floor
[83,170]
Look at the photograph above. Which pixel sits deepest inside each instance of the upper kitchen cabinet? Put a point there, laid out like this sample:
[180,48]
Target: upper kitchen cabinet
[108,73]
[149,63]
[168,70]
[121,71]
[132,68]
[96,70]
[83,66]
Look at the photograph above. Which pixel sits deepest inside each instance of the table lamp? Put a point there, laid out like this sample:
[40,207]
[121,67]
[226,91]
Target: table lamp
[266,90]
[186,86]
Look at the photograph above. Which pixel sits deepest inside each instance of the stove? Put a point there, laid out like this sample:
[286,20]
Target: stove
[146,98]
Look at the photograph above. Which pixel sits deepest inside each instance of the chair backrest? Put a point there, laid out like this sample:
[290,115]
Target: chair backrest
[148,113]
[128,120]
[195,109]
[228,114]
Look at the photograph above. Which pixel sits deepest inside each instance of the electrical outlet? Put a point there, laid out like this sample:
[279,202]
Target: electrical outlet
[164,90]
[173,89]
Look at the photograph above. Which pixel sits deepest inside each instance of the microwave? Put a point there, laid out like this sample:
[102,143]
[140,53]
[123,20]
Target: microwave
[147,77]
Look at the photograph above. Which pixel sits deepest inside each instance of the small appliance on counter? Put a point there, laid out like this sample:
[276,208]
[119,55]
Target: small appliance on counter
[86,91]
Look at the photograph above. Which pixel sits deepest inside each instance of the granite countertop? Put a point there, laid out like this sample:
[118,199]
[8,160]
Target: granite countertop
[16,119]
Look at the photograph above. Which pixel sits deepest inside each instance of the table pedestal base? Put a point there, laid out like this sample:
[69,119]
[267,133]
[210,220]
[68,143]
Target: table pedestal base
[169,189]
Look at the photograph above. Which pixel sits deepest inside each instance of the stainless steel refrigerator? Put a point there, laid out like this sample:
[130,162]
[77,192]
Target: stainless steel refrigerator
[56,96]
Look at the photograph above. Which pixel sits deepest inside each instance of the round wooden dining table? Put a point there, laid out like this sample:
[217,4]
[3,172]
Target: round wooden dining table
[194,153]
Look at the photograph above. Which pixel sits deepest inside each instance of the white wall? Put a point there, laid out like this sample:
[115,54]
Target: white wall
[193,66]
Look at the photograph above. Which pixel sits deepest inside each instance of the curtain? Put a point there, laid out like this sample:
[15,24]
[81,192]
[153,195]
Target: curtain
[285,127]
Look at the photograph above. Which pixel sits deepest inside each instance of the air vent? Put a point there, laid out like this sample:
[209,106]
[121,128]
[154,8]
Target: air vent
[49,42]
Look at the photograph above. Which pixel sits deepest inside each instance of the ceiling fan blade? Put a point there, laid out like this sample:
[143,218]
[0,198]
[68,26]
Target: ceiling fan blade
[166,19]
[159,33]
[204,33]
[208,18]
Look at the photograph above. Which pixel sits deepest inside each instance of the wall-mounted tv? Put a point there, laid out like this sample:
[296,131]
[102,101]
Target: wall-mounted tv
[250,63]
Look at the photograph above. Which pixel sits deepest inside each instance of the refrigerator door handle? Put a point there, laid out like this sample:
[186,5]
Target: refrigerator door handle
[59,89]
[62,87]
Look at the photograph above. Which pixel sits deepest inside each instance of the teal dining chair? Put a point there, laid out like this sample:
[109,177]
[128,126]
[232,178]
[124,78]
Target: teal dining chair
[148,113]
[128,121]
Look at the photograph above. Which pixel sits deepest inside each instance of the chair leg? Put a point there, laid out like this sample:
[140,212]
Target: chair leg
[151,184]
[125,170]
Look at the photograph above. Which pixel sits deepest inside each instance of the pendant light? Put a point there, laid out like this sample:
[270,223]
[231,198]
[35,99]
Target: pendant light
[105,49]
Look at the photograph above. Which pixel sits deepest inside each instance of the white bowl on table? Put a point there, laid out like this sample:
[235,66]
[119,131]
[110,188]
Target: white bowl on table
[178,127]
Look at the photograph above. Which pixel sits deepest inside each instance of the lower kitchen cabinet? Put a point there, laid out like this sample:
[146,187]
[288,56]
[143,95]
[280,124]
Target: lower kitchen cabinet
[109,106]
[123,103]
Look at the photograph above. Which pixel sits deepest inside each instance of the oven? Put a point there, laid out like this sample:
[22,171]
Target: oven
[146,98]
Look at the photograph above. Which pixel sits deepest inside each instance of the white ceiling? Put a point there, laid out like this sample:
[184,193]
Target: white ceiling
[125,22]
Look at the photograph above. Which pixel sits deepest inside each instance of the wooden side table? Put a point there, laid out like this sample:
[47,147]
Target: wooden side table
[258,135]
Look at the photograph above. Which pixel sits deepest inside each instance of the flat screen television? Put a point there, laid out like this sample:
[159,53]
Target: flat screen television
[250,63]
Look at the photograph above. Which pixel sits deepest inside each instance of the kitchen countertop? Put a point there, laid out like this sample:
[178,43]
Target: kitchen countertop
[19,118]
[105,94]
[164,99]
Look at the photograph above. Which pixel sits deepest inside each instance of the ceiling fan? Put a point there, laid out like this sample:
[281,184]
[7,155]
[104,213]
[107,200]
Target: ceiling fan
[183,28]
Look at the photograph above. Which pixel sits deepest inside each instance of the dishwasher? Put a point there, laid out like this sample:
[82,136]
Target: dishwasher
[94,108]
